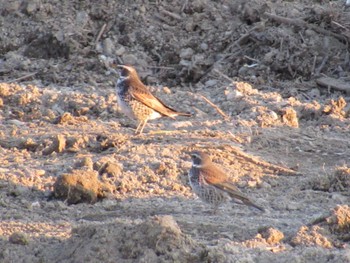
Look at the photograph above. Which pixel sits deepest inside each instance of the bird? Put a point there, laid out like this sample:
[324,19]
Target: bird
[211,184]
[137,102]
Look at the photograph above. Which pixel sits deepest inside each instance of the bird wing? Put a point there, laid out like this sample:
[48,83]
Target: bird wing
[144,96]
[215,176]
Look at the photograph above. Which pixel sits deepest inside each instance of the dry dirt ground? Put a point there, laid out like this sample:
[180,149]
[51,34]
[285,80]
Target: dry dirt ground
[277,76]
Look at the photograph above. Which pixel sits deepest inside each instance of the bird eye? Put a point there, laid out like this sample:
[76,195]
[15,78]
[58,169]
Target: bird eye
[194,156]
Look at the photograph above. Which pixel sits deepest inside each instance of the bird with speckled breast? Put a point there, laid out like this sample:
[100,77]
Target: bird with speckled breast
[211,184]
[137,102]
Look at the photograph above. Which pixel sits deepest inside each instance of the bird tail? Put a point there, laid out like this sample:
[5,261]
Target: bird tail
[250,203]
[235,194]
[186,114]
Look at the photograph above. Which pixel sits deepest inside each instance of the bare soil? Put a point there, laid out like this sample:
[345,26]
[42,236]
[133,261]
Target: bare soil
[268,84]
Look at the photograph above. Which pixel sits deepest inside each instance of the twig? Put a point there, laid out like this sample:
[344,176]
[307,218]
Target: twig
[303,24]
[255,160]
[324,61]
[172,15]
[334,83]
[100,33]
[339,25]
[215,107]
[22,78]
[313,65]
[223,75]
[161,67]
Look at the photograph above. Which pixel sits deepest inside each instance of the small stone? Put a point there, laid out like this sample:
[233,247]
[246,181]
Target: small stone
[186,53]
[233,94]
[166,90]
[315,93]
[210,83]
[273,115]
[32,6]
[19,238]
[108,46]
[120,51]
[204,46]
[129,59]
[81,19]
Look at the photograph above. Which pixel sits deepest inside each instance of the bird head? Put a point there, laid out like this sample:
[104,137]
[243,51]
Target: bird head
[200,159]
[126,71]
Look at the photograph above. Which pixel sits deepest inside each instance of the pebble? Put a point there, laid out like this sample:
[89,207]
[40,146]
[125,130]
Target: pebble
[211,83]
[108,46]
[186,53]
[204,46]
[120,51]
[233,94]
[315,93]
[129,59]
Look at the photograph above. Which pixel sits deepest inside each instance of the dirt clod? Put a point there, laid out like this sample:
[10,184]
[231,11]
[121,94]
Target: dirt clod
[311,236]
[272,236]
[58,145]
[339,221]
[80,186]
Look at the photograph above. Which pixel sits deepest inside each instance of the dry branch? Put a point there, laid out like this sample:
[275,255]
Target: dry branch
[102,30]
[215,107]
[255,160]
[334,83]
[22,78]
[170,14]
[301,23]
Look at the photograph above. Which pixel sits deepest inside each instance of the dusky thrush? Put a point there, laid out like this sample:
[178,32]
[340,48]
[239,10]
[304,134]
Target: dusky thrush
[137,102]
[211,184]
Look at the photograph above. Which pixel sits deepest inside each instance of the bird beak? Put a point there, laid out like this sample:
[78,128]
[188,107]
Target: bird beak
[118,66]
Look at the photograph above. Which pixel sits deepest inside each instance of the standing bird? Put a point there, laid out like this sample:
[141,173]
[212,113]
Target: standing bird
[211,184]
[137,102]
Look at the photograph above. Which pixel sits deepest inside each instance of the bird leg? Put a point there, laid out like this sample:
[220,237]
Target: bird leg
[140,127]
